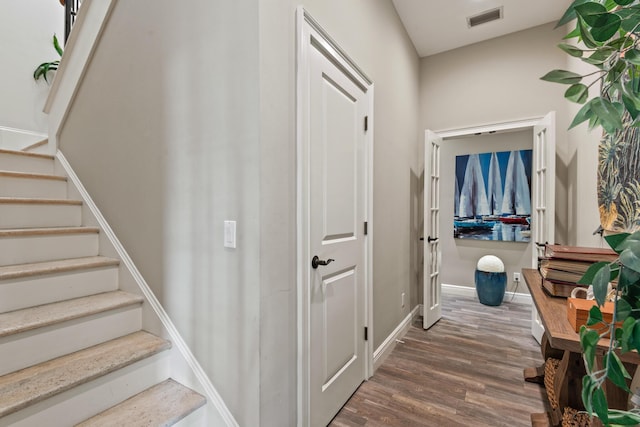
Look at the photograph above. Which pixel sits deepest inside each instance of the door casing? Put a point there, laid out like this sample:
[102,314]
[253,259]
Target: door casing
[533,124]
[307,28]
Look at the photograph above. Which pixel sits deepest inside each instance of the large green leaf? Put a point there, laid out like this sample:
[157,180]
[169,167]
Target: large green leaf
[601,284]
[630,259]
[630,104]
[623,2]
[589,341]
[588,386]
[600,406]
[630,18]
[591,12]
[607,113]
[585,113]
[633,56]
[615,239]
[595,316]
[562,76]
[627,337]
[609,24]
[627,278]
[570,13]
[586,36]
[56,45]
[616,371]
[577,93]
[587,277]
[571,50]
[623,418]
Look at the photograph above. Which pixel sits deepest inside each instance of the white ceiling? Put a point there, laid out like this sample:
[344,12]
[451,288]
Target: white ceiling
[438,26]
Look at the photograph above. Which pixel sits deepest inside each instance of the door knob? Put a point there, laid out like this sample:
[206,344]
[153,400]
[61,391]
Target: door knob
[431,239]
[315,261]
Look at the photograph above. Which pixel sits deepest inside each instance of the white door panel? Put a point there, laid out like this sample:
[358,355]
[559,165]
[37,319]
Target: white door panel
[337,110]
[432,250]
[543,224]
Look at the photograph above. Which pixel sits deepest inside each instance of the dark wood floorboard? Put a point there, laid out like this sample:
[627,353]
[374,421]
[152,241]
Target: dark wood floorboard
[465,371]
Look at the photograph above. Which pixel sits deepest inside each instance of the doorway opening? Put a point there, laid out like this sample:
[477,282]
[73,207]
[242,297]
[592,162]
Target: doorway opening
[537,134]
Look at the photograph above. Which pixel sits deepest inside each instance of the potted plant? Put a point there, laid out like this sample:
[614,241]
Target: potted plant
[43,69]
[609,35]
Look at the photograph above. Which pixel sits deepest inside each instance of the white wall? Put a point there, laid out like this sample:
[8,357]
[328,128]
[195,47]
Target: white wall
[463,253]
[498,81]
[26,28]
[186,118]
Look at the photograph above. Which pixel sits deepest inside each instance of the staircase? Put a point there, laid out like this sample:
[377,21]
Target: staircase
[72,348]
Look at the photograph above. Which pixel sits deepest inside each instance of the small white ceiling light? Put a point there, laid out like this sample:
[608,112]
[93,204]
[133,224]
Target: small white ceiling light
[484,17]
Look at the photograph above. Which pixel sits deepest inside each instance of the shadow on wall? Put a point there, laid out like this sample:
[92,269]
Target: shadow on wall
[416,231]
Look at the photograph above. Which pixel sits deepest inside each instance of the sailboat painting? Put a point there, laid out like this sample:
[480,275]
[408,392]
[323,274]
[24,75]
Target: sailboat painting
[493,196]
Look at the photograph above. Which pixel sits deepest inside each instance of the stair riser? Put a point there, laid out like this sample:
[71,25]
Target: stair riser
[27,249]
[16,294]
[32,215]
[29,348]
[32,187]
[26,164]
[80,403]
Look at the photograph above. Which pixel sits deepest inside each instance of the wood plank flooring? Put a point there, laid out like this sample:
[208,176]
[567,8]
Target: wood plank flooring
[465,371]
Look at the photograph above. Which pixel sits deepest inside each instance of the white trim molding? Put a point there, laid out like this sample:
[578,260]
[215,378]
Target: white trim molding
[387,346]
[213,397]
[468,291]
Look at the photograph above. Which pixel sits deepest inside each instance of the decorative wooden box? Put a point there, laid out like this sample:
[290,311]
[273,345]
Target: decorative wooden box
[578,312]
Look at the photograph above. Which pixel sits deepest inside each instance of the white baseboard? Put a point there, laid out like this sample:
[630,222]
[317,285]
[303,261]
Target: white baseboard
[213,397]
[388,344]
[467,291]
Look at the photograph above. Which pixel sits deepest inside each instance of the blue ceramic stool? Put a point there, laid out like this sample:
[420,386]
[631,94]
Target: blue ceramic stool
[491,287]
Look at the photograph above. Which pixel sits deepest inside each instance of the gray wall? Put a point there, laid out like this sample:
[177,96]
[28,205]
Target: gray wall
[464,254]
[187,118]
[498,81]
[164,133]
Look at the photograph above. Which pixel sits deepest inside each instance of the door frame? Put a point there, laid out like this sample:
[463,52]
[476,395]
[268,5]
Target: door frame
[524,124]
[307,29]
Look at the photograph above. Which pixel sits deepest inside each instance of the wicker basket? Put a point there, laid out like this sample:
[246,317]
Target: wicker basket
[574,418]
[550,369]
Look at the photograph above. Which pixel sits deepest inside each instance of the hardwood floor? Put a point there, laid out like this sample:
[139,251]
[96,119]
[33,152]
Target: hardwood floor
[465,371]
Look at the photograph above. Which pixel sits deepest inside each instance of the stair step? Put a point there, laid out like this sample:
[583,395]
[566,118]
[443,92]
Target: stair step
[20,184]
[29,245]
[19,321]
[16,212]
[34,384]
[161,405]
[21,161]
[30,285]
[36,146]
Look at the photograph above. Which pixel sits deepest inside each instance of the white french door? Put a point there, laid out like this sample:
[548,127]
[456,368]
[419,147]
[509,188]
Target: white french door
[432,251]
[543,224]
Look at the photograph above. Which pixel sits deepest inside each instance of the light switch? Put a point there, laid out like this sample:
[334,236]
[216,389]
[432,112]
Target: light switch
[229,234]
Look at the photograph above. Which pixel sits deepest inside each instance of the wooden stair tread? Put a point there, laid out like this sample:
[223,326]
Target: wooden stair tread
[161,405]
[54,267]
[27,319]
[25,175]
[34,201]
[36,383]
[16,232]
[35,145]
[26,154]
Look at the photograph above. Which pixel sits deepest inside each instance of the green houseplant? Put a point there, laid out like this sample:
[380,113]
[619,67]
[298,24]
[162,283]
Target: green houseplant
[608,38]
[43,69]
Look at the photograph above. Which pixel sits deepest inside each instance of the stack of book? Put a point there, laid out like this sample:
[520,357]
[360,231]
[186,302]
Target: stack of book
[563,266]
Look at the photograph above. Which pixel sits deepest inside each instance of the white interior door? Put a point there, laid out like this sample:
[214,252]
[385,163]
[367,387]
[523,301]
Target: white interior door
[432,252]
[338,105]
[543,223]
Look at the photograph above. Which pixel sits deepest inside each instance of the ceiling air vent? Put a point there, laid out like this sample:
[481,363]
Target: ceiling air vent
[484,17]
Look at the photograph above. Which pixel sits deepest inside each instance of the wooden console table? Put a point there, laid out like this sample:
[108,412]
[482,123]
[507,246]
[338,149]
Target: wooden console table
[561,342]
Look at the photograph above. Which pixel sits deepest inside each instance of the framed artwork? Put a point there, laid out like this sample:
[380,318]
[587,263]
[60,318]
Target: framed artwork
[493,196]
